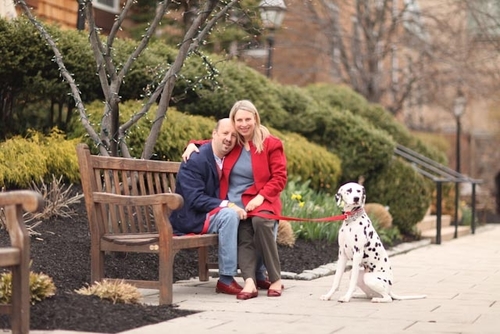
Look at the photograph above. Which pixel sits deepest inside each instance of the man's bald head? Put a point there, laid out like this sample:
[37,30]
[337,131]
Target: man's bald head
[223,137]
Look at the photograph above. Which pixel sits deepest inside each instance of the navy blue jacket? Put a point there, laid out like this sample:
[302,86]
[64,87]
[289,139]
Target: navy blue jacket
[198,183]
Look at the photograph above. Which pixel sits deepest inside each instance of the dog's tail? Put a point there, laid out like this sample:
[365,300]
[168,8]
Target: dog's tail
[397,297]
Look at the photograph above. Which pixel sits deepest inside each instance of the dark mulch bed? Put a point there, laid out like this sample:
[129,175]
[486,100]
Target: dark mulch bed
[61,250]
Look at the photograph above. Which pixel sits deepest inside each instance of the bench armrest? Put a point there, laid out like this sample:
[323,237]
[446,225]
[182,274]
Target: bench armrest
[30,200]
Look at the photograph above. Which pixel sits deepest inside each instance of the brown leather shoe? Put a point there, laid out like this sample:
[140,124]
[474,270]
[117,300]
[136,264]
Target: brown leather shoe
[231,289]
[247,295]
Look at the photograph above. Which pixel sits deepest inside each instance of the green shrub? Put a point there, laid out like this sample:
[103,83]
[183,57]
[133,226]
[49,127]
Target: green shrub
[388,236]
[344,98]
[41,287]
[338,96]
[297,102]
[406,193]
[466,214]
[363,149]
[214,95]
[62,159]
[310,162]
[21,161]
[37,158]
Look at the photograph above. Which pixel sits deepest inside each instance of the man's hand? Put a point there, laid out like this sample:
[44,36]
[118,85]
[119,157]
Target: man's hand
[241,212]
[255,202]
[188,151]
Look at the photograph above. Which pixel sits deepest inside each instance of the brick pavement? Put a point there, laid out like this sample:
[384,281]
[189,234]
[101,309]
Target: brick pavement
[461,279]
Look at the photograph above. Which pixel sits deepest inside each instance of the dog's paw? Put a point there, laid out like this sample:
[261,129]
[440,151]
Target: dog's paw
[325,297]
[344,299]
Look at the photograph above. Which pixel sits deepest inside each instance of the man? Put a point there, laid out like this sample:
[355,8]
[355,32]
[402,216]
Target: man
[203,211]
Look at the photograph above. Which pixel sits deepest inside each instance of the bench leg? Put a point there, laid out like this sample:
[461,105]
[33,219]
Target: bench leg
[166,276]
[203,263]
[20,314]
[97,265]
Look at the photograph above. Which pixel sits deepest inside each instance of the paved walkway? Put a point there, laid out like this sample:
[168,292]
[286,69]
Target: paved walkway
[461,279]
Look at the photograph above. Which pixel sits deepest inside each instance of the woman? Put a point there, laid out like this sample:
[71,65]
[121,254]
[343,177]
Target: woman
[253,176]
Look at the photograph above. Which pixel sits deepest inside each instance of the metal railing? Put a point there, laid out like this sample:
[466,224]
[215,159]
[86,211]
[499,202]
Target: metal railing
[440,174]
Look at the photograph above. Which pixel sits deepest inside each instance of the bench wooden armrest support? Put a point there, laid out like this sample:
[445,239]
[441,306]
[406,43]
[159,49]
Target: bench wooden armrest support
[128,204]
[16,257]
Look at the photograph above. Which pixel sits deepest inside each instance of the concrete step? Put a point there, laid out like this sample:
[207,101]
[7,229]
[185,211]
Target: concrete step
[447,233]
[430,222]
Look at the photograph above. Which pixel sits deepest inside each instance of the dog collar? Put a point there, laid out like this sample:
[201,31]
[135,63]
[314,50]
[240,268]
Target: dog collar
[354,213]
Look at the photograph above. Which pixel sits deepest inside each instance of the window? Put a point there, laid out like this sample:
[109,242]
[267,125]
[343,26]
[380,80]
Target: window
[112,6]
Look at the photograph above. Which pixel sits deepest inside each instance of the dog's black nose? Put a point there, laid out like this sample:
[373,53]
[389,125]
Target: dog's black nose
[356,199]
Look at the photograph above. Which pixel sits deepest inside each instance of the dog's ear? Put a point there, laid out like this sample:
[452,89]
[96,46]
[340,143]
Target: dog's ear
[363,200]
[339,200]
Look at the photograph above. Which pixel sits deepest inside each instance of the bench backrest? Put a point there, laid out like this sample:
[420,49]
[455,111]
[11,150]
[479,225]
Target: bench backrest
[123,176]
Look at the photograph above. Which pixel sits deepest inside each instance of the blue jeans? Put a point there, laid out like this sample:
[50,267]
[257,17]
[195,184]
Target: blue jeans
[225,223]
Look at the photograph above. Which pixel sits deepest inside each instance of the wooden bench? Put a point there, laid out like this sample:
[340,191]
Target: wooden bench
[17,256]
[128,204]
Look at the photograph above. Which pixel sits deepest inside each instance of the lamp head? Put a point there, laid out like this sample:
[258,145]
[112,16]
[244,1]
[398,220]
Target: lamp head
[272,13]
[459,107]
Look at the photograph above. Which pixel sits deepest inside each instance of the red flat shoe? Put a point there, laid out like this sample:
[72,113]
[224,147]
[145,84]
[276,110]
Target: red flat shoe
[231,289]
[274,293]
[247,295]
[263,284]
[266,284]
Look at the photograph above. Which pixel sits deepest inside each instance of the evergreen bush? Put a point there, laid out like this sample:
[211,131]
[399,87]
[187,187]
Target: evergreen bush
[406,193]
[344,98]
[212,94]
[311,162]
[37,158]
[21,161]
[363,149]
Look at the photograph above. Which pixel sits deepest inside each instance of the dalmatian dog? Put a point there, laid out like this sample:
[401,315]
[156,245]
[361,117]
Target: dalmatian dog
[359,242]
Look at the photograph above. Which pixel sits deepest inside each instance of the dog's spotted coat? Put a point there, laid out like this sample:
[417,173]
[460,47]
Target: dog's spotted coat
[359,242]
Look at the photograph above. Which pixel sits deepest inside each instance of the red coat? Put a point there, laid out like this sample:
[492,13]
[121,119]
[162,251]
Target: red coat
[269,172]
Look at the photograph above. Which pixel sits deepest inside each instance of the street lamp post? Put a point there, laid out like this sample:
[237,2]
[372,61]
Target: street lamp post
[458,111]
[272,13]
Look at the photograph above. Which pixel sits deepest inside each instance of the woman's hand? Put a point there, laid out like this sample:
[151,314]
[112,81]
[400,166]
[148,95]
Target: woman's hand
[188,151]
[254,203]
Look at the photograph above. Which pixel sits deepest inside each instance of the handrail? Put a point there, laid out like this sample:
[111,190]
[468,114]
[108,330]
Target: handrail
[440,174]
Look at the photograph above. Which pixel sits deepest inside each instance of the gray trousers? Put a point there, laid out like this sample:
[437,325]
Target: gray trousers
[256,238]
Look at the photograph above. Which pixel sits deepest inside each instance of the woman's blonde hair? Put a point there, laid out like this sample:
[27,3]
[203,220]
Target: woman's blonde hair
[260,132]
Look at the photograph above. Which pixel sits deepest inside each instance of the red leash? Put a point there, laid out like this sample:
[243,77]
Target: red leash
[276,217]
